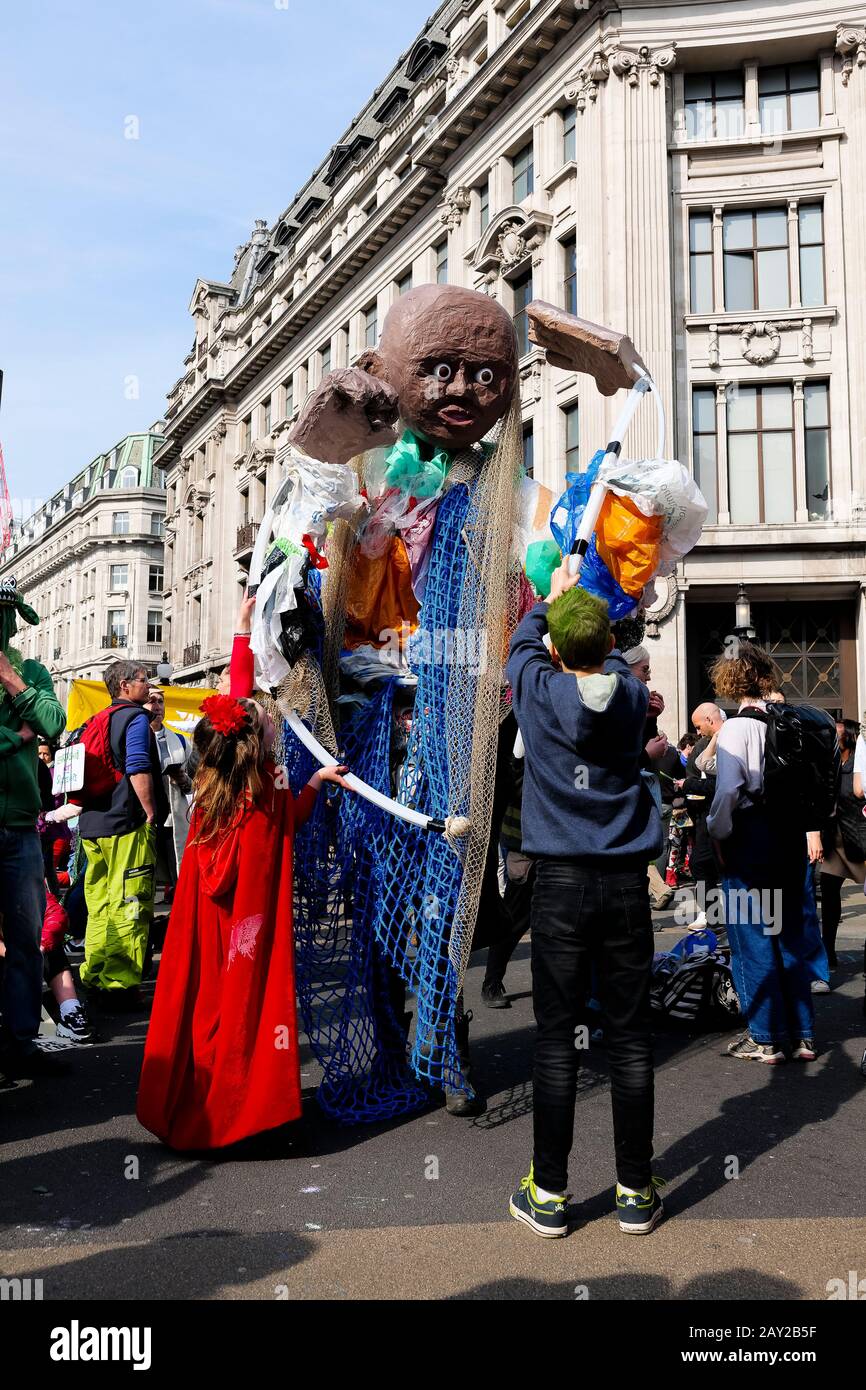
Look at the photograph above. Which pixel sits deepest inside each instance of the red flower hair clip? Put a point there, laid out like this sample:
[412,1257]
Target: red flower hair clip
[226,714]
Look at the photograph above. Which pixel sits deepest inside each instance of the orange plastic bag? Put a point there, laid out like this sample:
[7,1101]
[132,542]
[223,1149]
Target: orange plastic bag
[628,542]
[380,597]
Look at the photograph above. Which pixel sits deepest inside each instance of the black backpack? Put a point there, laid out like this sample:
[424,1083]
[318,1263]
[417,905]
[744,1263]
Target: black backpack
[801,764]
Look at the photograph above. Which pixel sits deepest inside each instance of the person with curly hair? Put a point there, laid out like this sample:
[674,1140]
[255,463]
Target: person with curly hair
[221,1060]
[763,863]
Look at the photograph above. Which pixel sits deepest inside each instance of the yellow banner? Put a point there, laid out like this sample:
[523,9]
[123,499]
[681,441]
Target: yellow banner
[182,704]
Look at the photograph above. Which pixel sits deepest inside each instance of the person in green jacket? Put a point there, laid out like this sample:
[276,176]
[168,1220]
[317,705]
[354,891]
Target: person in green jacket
[28,709]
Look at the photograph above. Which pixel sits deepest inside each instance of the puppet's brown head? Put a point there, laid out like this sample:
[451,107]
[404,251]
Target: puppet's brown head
[451,356]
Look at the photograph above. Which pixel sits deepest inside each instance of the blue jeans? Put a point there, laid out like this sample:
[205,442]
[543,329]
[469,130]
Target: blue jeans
[22,902]
[763,889]
[816,954]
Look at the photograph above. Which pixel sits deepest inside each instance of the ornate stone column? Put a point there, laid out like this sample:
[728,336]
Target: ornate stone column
[794,251]
[722,452]
[645,238]
[800,500]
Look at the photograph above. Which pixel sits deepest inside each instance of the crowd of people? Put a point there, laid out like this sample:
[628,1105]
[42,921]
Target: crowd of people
[753,817]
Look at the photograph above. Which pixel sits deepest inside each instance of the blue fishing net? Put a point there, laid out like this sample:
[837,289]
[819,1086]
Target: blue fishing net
[374,896]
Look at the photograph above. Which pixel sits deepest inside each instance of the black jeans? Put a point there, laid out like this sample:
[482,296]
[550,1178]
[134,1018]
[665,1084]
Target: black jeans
[580,917]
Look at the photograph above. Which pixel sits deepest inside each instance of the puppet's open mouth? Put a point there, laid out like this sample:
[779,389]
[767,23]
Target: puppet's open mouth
[456,415]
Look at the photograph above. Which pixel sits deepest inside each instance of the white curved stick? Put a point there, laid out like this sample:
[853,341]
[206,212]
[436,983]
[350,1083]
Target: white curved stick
[385,803]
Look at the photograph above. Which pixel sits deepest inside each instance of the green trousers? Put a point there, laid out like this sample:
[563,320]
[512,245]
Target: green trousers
[118,890]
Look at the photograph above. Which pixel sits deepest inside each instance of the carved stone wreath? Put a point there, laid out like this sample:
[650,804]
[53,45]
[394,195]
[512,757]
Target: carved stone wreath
[666,602]
[760,343]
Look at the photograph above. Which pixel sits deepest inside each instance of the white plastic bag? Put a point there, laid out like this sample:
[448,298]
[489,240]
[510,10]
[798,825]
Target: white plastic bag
[662,487]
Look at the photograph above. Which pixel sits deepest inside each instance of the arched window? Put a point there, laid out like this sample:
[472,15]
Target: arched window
[129,477]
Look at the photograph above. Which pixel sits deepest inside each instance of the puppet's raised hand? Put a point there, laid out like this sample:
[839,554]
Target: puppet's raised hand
[577,345]
[350,411]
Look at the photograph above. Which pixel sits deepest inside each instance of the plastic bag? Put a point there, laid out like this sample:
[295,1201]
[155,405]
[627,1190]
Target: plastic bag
[662,487]
[628,542]
[565,519]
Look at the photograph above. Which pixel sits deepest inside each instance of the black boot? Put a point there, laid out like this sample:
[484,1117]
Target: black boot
[463,1103]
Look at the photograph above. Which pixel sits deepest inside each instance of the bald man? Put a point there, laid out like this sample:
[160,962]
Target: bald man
[699,787]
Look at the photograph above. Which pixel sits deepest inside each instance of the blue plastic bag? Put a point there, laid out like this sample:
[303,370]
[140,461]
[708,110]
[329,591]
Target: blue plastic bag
[595,577]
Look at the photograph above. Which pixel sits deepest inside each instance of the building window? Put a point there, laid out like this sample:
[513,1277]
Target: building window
[521,290]
[788,98]
[155,576]
[288,398]
[569,282]
[117,625]
[569,135]
[811,229]
[371,326]
[266,416]
[246,433]
[701,262]
[129,477]
[705,448]
[529,450]
[817,410]
[715,106]
[118,577]
[326,359]
[120,524]
[523,173]
[154,625]
[157,525]
[405,282]
[572,439]
[484,205]
[756,259]
[761,454]
[441,253]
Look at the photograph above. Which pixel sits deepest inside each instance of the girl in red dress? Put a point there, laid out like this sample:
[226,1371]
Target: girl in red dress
[221,1058]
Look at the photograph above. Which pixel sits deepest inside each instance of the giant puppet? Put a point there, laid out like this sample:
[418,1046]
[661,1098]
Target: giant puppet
[401,549]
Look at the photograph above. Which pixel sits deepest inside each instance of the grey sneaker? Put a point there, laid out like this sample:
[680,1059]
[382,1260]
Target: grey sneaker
[804,1051]
[751,1051]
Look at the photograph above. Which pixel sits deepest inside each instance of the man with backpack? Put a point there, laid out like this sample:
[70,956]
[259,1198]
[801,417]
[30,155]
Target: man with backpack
[28,708]
[122,803]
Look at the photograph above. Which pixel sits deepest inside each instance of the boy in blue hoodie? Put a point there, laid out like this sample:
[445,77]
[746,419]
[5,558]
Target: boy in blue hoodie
[591,825]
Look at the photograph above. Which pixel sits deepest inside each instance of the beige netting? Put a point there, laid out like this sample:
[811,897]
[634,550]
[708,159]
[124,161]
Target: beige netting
[487,617]
[303,692]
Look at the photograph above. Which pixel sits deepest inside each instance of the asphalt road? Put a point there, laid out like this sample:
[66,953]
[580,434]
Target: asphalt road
[97,1208]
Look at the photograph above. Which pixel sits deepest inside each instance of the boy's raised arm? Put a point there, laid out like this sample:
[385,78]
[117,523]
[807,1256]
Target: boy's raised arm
[529,664]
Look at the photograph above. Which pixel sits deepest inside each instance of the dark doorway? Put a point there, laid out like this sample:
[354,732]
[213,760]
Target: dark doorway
[813,645]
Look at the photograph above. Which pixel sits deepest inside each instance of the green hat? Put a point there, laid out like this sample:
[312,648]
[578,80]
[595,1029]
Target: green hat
[11,602]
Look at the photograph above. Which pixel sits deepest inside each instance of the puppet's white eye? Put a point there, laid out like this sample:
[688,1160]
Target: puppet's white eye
[442,371]
[484,376]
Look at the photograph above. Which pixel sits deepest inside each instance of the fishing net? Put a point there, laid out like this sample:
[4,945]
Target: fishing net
[382,905]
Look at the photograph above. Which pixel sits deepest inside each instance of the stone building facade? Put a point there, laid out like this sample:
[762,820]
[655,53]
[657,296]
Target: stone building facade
[90,562]
[692,173]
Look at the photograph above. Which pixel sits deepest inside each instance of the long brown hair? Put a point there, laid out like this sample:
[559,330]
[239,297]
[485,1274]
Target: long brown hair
[229,777]
[748,672]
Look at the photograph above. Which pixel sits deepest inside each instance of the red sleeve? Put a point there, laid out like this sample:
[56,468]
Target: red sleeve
[241,670]
[304,803]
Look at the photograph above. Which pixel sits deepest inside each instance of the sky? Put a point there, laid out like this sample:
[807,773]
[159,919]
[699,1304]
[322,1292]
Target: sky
[102,237]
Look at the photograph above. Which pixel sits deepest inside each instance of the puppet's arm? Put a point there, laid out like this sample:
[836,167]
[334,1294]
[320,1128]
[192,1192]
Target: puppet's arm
[350,412]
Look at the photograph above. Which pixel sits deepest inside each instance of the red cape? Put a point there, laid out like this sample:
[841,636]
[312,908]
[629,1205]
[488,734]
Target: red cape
[221,1058]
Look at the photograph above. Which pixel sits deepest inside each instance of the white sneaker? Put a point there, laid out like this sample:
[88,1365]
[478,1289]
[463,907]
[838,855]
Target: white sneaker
[699,923]
[820,987]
